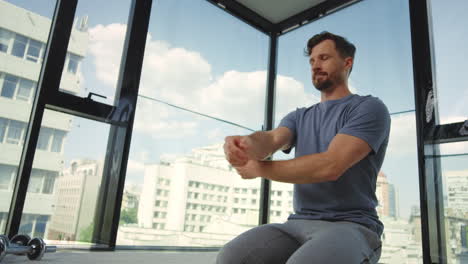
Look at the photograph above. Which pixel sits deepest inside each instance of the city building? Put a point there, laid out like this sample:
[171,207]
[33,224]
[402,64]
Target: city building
[23,38]
[387,196]
[201,193]
[76,192]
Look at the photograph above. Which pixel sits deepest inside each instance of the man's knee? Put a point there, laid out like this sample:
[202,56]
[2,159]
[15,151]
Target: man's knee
[230,254]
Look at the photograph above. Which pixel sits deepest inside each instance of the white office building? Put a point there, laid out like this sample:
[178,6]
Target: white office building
[23,37]
[76,191]
[198,199]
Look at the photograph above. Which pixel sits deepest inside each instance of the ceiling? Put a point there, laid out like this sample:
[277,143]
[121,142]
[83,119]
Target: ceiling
[276,11]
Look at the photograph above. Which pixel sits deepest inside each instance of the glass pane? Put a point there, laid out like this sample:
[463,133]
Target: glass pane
[382,68]
[34,50]
[21,21]
[455,200]
[449,50]
[19,45]
[180,190]
[95,50]
[9,86]
[64,186]
[24,90]
[5,38]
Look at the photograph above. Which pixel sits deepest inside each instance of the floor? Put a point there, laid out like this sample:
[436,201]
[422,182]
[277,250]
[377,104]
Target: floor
[119,257]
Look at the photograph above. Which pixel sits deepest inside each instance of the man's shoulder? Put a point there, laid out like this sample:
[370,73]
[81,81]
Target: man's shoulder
[369,103]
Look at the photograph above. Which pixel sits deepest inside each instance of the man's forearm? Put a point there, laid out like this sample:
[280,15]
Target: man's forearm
[264,144]
[312,168]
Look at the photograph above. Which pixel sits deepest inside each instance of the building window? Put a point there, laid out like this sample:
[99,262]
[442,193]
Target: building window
[15,132]
[5,37]
[49,182]
[73,61]
[44,138]
[19,46]
[24,90]
[57,141]
[3,126]
[9,86]
[34,50]
[7,173]
[35,181]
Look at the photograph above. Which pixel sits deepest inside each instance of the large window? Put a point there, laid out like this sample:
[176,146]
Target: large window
[65,181]
[382,68]
[449,51]
[193,93]
[95,50]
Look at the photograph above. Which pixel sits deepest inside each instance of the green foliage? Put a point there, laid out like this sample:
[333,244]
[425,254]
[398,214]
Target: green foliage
[86,234]
[128,216]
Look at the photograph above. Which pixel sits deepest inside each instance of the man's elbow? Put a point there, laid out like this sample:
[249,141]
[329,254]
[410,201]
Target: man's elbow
[334,172]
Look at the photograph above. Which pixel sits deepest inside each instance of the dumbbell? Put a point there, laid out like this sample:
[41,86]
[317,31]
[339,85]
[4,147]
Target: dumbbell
[35,249]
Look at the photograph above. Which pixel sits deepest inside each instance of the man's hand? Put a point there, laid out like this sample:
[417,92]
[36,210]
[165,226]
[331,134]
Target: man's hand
[239,149]
[234,149]
[252,169]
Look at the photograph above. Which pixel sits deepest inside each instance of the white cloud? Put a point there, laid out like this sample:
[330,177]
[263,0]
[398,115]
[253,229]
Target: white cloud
[402,135]
[159,121]
[106,44]
[184,78]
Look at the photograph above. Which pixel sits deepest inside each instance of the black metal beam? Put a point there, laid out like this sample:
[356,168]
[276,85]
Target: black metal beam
[118,147]
[431,201]
[268,123]
[448,133]
[82,107]
[49,81]
[313,13]
[245,14]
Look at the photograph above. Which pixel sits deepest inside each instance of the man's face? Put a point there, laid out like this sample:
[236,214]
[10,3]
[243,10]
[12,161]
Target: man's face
[328,67]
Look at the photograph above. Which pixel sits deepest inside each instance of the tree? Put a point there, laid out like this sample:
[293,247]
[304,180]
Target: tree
[128,216]
[86,234]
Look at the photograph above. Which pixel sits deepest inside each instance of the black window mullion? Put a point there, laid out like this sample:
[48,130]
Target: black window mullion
[430,176]
[118,147]
[268,123]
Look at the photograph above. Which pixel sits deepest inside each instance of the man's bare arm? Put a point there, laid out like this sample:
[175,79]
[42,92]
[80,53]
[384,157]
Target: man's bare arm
[257,146]
[343,152]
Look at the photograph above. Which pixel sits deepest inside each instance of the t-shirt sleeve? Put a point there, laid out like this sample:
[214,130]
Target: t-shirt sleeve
[289,121]
[369,121]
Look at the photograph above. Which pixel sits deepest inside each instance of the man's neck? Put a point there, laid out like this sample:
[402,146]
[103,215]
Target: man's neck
[335,93]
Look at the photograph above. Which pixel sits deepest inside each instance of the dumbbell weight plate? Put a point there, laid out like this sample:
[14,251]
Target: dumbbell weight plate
[20,240]
[38,248]
[3,246]
[5,240]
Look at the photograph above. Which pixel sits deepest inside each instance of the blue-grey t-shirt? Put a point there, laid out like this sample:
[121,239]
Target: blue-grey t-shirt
[351,197]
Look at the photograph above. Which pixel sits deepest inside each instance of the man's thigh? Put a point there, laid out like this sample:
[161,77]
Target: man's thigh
[339,243]
[265,244]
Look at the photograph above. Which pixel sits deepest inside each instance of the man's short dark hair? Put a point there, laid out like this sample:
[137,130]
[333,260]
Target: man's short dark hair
[343,46]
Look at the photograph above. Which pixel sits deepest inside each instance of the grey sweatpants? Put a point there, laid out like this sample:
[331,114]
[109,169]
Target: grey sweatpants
[303,241]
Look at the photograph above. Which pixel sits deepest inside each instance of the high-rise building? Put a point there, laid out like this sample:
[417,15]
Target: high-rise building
[23,37]
[387,196]
[393,204]
[76,192]
[456,183]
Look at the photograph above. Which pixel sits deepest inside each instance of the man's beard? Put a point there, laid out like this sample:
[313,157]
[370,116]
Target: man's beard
[321,86]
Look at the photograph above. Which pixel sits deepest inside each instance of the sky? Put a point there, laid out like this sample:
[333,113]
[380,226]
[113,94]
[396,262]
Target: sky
[203,59]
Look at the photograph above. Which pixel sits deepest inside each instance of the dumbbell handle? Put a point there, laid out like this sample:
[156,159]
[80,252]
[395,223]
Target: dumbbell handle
[12,249]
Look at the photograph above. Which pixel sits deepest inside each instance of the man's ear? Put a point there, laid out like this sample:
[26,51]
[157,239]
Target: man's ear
[349,62]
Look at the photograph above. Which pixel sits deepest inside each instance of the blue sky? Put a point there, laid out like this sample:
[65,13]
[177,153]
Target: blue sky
[212,49]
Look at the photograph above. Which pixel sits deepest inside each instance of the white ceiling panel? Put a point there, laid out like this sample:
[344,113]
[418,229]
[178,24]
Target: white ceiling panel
[278,10]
